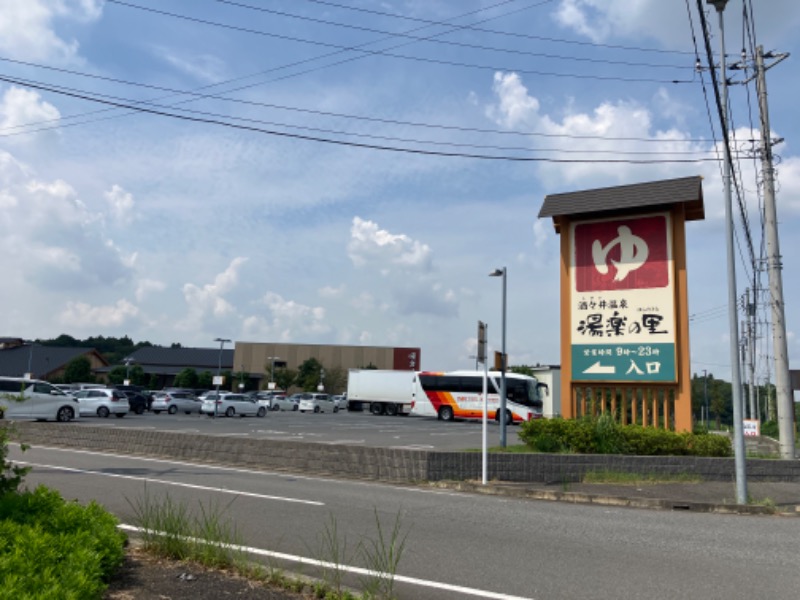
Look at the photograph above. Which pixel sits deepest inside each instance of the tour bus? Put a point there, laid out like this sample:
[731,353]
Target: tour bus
[459,395]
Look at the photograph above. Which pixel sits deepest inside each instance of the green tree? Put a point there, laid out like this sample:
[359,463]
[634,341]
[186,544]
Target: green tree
[116,376]
[308,375]
[79,369]
[521,369]
[186,379]
[335,380]
[285,378]
[205,380]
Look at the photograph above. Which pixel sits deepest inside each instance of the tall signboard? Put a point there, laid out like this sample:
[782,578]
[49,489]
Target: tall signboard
[623,299]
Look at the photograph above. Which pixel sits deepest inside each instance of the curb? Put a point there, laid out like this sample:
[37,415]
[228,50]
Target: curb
[498,489]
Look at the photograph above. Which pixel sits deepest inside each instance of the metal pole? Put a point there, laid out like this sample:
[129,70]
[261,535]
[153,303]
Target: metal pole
[733,326]
[504,274]
[751,353]
[484,428]
[779,347]
[705,398]
[219,371]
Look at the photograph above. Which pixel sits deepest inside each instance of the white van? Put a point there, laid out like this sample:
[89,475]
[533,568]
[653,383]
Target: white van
[42,401]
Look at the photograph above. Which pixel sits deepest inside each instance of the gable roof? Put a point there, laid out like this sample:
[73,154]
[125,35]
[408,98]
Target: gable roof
[165,359]
[653,194]
[39,360]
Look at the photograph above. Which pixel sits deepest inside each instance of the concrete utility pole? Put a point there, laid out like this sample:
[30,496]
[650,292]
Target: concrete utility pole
[733,326]
[751,352]
[785,403]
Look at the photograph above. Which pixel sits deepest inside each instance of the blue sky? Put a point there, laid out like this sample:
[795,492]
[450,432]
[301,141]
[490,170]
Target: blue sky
[227,224]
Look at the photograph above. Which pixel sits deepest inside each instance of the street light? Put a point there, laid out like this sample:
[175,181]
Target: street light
[502,273]
[127,362]
[222,342]
[272,370]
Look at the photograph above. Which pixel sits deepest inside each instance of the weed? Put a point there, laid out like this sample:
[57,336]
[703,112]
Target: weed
[625,478]
[382,557]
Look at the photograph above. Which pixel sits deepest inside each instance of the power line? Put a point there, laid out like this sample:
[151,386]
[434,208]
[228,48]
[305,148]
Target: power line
[201,96]
[496,32]
[364,51]
[183,117]
[447,42]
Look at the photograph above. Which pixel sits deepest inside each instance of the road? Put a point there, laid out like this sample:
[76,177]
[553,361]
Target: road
[457,545]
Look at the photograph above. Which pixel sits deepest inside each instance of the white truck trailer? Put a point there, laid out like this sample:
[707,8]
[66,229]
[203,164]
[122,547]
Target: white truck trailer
[381,391]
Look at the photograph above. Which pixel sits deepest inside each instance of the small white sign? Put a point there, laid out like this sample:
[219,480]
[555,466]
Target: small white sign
[218,380]
[271,385]
[751,427]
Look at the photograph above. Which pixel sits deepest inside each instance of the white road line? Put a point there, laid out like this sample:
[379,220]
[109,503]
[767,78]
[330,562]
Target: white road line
[358,570]
[175,483]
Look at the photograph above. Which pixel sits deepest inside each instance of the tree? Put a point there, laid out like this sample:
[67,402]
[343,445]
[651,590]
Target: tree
[116,376]
[186,379]
[335,380]
[78,370]
[308,375]
[205,380]
[285,378]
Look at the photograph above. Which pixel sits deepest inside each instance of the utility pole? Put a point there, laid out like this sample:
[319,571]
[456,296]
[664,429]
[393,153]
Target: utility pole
[733,326]
[751,351]
[785,402]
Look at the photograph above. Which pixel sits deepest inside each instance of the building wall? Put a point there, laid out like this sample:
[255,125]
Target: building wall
[254,357]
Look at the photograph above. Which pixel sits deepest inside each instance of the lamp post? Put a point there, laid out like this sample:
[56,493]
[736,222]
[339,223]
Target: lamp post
[272,360]
[222,342]
[502,273]
[127,362]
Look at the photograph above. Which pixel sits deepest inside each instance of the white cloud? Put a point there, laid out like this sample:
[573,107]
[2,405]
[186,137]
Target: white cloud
[332,292]
[121,204]
[23,107]
[203,67]
[371,246]
[516,107]
[86,317]
[209,300]
[27,29]
[287,321]
[147,286]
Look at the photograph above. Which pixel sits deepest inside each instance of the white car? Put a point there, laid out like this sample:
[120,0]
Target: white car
[317,403]
[102,402]
[282,402]
[231,405]
[173,402]
[40,400]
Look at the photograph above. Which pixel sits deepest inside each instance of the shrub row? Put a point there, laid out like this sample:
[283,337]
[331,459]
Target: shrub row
[51,548]
[603,435]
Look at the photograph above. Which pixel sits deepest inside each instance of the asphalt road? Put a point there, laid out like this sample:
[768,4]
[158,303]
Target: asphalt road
[352,428]
[457,545]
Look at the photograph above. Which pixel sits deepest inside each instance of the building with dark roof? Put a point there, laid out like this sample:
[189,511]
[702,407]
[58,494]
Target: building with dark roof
[42,362]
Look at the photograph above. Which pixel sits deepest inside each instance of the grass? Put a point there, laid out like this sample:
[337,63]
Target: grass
[624,478]
[171,530]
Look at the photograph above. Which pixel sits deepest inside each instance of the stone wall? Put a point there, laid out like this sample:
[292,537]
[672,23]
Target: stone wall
[384,464]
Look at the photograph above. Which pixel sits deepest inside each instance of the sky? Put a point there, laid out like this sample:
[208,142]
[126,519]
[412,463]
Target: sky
[350,172]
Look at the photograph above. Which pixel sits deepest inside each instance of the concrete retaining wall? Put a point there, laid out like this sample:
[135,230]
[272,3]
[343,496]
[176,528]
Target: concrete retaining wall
[383,463]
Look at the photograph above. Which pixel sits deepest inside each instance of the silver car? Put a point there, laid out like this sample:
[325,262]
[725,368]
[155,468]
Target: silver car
[318,403]
[231,405]
[173,402]
[102,402]
[282,402]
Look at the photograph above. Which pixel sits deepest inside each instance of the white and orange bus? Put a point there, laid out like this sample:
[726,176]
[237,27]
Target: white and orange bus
[459,395]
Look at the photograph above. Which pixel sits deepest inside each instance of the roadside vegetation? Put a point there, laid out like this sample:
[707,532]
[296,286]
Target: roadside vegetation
[172,529]
[49,547]
[603,435]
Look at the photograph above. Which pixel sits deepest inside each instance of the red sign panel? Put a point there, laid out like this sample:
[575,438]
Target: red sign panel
[622,254]
[407,359]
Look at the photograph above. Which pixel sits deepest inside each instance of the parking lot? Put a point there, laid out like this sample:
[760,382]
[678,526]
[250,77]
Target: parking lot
[351,428]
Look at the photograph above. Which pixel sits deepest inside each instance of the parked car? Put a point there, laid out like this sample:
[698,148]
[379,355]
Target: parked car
[102,402]
[282,402]
[41,401]
[317,403]
[340,401]
[172,402]
[139,403]
[231,405]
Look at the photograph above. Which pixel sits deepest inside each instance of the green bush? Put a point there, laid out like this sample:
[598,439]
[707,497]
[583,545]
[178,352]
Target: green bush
[604,435]
[770,428]
[50,548]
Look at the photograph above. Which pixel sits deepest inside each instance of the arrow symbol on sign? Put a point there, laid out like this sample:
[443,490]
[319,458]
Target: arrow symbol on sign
[598,369]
